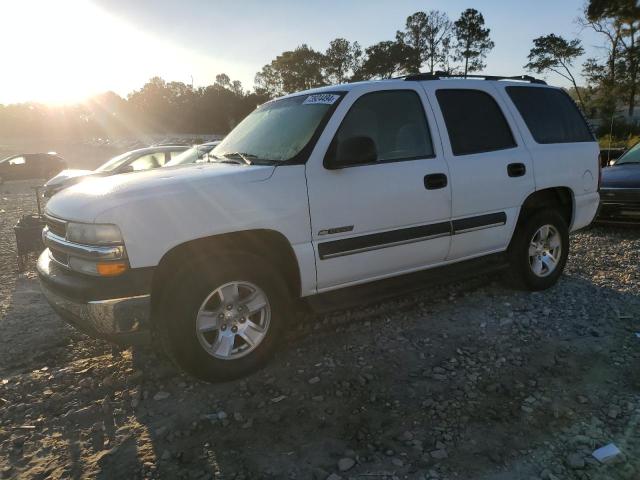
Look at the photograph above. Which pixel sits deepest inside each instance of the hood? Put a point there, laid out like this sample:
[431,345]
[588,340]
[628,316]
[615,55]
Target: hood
[85,201]
[66,175]
[621,176]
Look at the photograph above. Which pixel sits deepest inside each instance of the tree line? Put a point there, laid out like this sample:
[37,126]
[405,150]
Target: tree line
[428,42]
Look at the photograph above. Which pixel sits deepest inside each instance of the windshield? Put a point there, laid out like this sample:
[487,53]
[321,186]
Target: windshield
[277,131]
[632,155]
[115,162]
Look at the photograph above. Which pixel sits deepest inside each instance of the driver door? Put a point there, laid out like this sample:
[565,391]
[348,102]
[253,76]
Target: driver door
[390,214]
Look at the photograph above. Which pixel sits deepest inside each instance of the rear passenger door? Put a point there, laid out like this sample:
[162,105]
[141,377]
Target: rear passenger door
[491,172]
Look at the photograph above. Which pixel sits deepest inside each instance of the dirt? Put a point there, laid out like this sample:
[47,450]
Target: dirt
[470,380]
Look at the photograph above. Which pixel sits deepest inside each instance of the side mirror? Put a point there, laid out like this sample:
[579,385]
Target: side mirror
[127,169]
[351,151]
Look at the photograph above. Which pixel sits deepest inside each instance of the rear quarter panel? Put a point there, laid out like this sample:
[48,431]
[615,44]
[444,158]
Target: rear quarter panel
[572,165]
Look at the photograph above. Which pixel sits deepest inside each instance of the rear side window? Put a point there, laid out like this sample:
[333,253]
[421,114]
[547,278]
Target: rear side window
[550,115]
[474,122]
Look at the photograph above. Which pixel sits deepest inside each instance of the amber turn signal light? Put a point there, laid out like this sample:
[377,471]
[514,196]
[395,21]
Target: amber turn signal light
[111,269]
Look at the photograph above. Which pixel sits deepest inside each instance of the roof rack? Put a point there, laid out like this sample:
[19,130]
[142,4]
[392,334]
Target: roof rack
[439,75]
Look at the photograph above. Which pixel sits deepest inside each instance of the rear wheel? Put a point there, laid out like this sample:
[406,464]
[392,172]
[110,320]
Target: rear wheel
[223,317]
[539,250]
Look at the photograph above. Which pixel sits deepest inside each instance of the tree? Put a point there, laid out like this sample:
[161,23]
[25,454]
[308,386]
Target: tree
[223,80]
[342,60]
[384,60]
[619,22]
[428,36]
[438,31]
[414,41]
[554,53]
[291,71]
[473,42]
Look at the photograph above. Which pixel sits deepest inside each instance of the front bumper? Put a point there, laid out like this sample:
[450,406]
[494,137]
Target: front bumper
[114,309]
[619,206]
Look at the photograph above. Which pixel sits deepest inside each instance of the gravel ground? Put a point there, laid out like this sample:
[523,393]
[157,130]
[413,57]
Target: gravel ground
[471,380]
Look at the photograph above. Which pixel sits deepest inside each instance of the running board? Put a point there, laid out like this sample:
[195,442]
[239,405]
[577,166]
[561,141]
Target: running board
[380,290]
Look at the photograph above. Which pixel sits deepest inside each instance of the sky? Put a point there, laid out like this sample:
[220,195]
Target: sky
[62,51]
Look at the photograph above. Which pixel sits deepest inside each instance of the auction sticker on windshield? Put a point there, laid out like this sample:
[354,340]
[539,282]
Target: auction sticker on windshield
[321,99]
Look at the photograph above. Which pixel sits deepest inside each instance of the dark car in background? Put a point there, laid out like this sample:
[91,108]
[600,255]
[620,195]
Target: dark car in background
[620,190]
[133,161]
[31,165]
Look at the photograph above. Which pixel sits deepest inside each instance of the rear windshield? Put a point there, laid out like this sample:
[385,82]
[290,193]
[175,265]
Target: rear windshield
[550,114]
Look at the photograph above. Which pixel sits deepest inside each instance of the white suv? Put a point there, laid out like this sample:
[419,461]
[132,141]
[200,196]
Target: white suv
[318,191]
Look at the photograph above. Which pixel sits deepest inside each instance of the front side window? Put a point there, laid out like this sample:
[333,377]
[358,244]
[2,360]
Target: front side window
[147,162]
[550,114]
[115,162]
[474,121]
[279,130]
[394,120]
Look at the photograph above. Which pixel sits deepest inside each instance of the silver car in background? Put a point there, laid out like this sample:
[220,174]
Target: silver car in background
[133,161]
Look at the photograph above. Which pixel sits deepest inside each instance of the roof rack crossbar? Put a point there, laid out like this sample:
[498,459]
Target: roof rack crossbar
[439,75]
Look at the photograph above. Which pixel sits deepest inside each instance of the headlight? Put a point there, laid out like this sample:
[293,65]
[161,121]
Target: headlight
[93,234]
[101,269]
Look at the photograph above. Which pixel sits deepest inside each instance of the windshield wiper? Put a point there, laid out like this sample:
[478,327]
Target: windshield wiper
[245,157]
[625,163]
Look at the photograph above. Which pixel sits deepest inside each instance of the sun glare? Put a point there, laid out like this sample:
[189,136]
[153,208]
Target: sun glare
[65,51]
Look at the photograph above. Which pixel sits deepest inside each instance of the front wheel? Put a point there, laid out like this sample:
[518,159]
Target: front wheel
[223,317]
[539,250]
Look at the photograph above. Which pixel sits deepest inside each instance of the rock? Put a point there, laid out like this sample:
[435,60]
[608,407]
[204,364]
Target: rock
[334,476]
[161,396]
[439,454]
[314,380]
[575,461]
[108,381]
[614,411]
[166,455]
[397,462]
[350,454]
[345,464]
[221,415]
[547,475]
[320,474]
[278,399]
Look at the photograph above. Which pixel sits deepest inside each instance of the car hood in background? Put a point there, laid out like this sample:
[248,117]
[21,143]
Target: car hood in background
[66,175]
[621,176]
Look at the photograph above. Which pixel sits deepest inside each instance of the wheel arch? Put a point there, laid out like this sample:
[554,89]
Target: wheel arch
[270,245]
[561,198]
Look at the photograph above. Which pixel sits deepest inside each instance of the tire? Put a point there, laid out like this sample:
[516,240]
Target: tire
[535,261]
[194,301]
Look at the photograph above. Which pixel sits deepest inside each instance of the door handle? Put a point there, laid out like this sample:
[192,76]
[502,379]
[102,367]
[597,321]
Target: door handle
[516,169]
[435,181]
